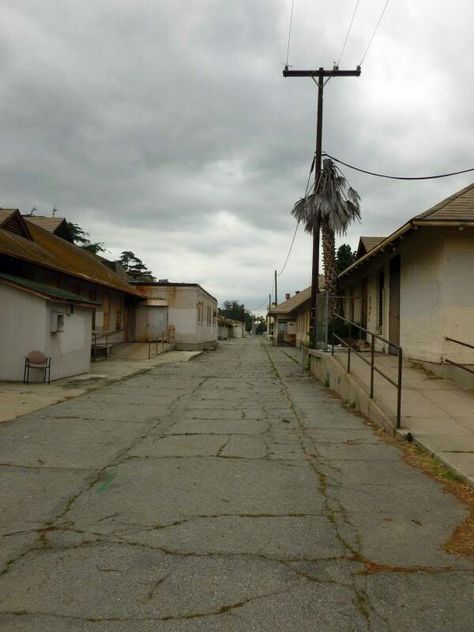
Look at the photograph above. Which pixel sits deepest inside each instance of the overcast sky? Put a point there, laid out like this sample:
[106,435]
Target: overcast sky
[165,127]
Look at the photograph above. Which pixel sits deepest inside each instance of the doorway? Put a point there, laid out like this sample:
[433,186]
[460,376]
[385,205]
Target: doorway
[394,307]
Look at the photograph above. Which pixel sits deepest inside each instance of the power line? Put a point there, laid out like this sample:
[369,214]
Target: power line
[296,229]
[348,31]
[373,34]
[289,251]
[383,175]
[255,309]
[289,32]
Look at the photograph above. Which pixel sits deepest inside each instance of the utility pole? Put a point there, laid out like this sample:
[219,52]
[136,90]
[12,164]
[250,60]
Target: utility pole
[276,288]
[320,74]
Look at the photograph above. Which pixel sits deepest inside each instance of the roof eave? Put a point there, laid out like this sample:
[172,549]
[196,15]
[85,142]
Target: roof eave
[76,275]
[383,244]
[49,297]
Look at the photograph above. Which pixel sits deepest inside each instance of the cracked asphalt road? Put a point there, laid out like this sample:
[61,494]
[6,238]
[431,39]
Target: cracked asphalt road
[230,493]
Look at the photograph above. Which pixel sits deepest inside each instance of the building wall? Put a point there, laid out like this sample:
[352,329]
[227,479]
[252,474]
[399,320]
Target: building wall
[421,291]
[302,326]
[191,312]
[458,295]
[70,350]
[110,317]
[436,294]
[25,326]
[206,321]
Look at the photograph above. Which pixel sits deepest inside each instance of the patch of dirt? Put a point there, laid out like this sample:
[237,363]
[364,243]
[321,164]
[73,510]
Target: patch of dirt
[462,539]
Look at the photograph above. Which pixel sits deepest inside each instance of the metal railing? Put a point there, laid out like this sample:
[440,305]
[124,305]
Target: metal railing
[155,342]
[102,342]
[464,344]
[373,369]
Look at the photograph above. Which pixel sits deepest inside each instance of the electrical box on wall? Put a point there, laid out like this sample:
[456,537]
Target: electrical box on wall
[56,322]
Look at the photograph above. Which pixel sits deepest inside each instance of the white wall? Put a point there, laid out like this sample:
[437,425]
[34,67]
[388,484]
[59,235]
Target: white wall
[22,326]
[25,327]
[421,296]
[436,294]
[70,350]
[188,313]
[458,295]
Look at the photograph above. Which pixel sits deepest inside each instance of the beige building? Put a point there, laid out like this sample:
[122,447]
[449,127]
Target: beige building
[54,296]
[291,319]
[183,311]
[416,286]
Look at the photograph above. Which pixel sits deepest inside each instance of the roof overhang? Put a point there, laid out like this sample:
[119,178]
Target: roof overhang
[391,241]
[49,295]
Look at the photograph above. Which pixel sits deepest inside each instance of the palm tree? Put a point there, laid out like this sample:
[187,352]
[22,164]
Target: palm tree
[331,206]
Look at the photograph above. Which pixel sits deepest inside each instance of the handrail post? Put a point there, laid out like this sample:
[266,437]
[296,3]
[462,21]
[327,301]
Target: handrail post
[372,363]
[399,390]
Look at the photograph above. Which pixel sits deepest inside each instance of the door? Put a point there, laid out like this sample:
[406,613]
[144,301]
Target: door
[394,307]
[363,309]
[156,322]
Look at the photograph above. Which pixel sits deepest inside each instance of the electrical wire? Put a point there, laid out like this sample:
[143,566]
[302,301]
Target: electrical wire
[383,175]
[255,309]
[348,31]
[373,34]
[289,33]
[293,239]
[289,251]
[296,229]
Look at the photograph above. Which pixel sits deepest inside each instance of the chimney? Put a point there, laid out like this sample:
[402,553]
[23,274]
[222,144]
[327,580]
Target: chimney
[287,296]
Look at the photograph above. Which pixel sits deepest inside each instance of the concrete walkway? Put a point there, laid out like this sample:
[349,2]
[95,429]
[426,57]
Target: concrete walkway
[230,493]
[438,413]
[18,399]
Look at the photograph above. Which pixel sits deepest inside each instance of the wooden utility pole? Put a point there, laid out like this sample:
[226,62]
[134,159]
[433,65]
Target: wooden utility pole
[276,288]
[319,74]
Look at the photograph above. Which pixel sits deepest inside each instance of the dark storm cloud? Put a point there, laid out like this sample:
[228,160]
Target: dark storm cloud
[166,127]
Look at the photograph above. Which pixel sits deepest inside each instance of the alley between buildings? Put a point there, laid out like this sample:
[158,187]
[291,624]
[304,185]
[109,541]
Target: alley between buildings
[229,493]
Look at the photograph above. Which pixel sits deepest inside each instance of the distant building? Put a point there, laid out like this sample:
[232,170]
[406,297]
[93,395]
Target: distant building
[186,310]
[291,318]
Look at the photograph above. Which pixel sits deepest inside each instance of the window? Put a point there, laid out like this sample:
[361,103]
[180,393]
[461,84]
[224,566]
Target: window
[118,318]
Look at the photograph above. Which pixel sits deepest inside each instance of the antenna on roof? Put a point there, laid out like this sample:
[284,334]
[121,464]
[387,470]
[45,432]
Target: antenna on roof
[33,211]
[55,210]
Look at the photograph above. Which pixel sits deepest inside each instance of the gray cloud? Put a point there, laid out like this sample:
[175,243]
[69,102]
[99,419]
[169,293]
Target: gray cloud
[166,127]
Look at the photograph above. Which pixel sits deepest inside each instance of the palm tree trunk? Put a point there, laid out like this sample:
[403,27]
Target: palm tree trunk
[329,262]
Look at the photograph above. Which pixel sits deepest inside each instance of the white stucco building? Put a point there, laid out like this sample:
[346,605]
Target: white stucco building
[183,312]
[416,286]
[54,297]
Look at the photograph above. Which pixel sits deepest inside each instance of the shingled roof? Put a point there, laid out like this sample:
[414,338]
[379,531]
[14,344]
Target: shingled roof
[292,303]
[36,245]
[456,210]
[458,207]
[366,244]
[56,225]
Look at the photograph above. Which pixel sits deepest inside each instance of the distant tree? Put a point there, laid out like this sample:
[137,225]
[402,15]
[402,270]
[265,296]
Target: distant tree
[236,311]
[135,266]
[261,325]
[344,257]
[81,239]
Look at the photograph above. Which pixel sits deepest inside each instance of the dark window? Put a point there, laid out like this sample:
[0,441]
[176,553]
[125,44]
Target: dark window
[381,298]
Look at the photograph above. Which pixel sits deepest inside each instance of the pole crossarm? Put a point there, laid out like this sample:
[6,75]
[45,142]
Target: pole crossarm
[322,73]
